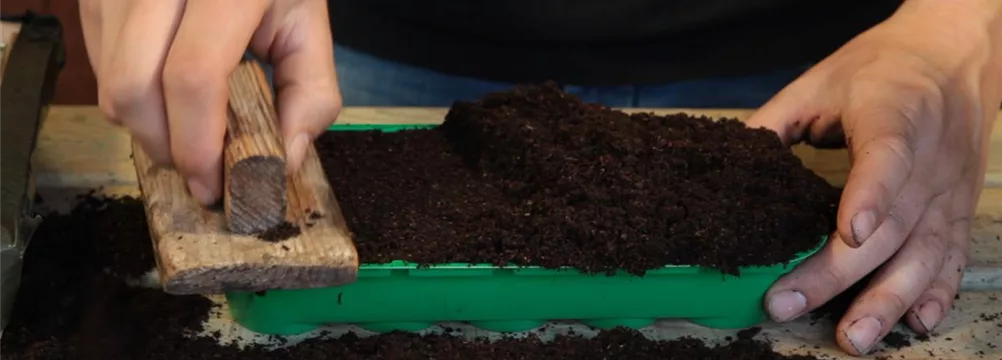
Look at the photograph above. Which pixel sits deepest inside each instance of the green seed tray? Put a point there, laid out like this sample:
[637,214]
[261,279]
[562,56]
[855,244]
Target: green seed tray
[402,296]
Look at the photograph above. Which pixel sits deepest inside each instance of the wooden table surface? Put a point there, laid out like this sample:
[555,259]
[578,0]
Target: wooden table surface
[78,151]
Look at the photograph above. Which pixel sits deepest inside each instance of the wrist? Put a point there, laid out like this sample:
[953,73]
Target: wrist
[968,35]
[956,36]
[959,23]
[981,13]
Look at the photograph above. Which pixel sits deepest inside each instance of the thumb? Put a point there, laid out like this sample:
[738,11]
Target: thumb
[308,98]
[791,111]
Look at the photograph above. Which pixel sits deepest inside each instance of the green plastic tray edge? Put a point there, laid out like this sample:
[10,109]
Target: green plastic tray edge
[666,270]
[380,127]
[403,265]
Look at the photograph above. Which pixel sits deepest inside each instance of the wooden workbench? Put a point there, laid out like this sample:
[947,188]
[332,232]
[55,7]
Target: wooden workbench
[79,151]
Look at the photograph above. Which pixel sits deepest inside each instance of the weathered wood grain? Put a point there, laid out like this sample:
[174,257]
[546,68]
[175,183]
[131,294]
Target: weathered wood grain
[254,178]
[196,251]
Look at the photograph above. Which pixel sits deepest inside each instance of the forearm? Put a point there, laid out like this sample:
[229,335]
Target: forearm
[960,37]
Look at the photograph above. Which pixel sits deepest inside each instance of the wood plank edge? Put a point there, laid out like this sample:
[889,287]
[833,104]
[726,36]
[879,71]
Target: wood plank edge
[255,277]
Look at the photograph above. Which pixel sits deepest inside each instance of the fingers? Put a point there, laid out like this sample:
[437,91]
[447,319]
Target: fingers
[791,112]
[838,266]
[90,28]
[100,25]
[882,144]
[131,82]
[112,18]
[932,305]
[309,100]
[163,66]
[896,287]
[822,276]
[204,53]
[930,308]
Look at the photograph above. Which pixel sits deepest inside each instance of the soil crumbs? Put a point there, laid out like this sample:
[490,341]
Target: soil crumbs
[535,176]
[283,231]
[74,304]
[896,340]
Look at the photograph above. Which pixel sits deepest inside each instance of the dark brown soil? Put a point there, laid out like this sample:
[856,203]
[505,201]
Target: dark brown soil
[280,232]
[103,229]
[749,332]
[534,176]
[897,340]
[68,307]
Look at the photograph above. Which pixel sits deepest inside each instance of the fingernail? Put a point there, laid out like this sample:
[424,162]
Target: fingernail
[929,315]
[200,192]
[863,333]
[295,153]
[863,225]
[787,304]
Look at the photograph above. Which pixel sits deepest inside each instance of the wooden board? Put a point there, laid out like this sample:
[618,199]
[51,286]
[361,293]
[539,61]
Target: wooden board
[255,182]
[201,251]
[197,254]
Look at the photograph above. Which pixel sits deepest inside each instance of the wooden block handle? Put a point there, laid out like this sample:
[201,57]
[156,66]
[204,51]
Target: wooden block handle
[254,155]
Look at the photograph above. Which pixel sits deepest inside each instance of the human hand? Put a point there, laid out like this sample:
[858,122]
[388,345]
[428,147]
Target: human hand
[162,69]
[913,99]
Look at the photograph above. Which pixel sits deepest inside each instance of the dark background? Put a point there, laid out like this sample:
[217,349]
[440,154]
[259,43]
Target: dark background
[76,85]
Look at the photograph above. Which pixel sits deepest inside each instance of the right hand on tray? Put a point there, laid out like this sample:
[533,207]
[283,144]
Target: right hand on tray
[162,68]
[914,100]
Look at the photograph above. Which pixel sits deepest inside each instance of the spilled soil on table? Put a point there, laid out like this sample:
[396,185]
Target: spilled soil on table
[74,304]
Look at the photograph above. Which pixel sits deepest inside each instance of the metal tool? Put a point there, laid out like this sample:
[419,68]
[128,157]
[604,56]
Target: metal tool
[37,54]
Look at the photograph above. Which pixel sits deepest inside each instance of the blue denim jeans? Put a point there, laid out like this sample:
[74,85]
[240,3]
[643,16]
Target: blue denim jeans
[366,80]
